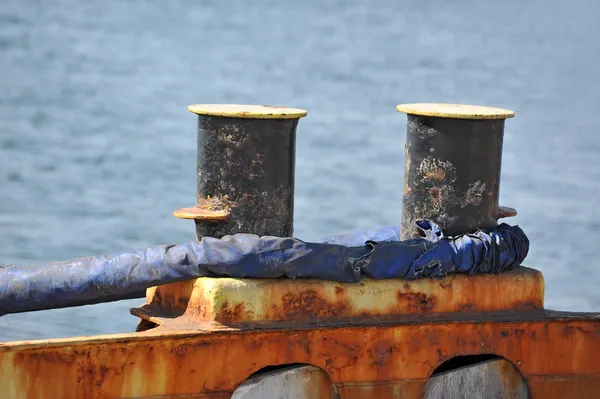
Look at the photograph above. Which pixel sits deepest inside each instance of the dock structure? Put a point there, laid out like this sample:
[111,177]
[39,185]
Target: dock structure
[484,335]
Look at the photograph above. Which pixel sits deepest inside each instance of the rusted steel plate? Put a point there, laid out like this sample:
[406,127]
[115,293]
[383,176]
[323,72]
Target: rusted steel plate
[295,382]
[238,301]
[568,386]
[553,350]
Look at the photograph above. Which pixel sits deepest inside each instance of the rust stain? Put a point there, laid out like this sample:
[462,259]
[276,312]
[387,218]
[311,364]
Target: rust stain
[577,386]
[368,353]
[467,307]
[183,350]
[103,372]
[172,298]
[417,301]
[388,390]
[435,193]
[436,169]
[446,284]
[305,344]
[382,353]
[366,358]
[219,203]
[435,174]
[309,303]
[232,313]
[282,300]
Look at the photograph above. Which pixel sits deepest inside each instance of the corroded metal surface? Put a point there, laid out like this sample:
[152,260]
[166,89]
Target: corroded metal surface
[361,360]
[238,301]
[245,168]
[452,173]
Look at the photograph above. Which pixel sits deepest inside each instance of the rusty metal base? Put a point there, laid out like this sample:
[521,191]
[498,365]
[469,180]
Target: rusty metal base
[248,302]
[557,354]
[369,347]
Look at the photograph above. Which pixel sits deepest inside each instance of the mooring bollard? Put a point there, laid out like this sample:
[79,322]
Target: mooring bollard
[481,335]
[453,157]
[245,170]
[452,167]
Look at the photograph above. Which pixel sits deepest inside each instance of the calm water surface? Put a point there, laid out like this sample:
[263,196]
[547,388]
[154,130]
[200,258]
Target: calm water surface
[97,147]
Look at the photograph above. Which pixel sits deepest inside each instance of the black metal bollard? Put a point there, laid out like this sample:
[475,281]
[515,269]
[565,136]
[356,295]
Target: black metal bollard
[245,171]
[452,167]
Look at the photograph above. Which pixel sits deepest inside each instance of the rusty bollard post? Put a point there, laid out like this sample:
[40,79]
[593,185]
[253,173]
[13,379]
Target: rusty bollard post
[452,167]
[245,170]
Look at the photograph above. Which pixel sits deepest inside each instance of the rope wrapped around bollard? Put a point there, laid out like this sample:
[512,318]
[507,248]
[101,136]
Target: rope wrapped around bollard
[96,279]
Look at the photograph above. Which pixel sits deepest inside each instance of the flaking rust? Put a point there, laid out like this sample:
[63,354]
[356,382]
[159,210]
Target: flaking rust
[246,303]
[451,174]
[434,191]
[221,203]
[249,163]
[366,359]
[246,168]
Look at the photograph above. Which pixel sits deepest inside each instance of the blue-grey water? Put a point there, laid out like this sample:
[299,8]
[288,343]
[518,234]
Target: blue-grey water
[97,147]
